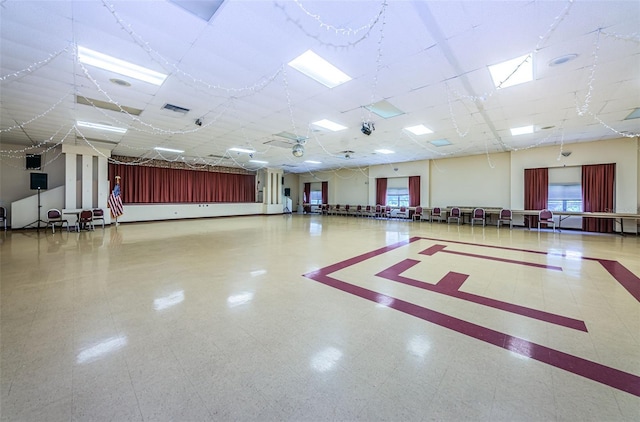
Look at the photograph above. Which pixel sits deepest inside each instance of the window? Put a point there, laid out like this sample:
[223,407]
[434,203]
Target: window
[316,197]
[398,197]
[565,197]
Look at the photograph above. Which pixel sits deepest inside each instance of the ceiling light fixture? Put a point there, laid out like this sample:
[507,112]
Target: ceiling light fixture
[177,151]
[512,72]
[385,151]
[523,130]
[562,59]
[319,69]
[98,126]
[258,162]
[313,162]
[329,125]
[419,130]
[103,61]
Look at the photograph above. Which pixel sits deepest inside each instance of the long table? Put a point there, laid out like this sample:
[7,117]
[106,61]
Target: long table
[617,217]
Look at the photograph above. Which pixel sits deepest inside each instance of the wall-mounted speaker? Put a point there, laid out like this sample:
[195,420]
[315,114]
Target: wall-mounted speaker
[33,162]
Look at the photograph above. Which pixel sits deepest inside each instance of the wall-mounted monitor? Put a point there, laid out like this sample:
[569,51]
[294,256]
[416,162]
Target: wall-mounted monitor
[34,162]
[39,181]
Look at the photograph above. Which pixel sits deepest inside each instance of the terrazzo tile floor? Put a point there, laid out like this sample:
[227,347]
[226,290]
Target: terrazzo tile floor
[318,318]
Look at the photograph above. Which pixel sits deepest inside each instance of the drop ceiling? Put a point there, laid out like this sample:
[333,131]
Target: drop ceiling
[427,59]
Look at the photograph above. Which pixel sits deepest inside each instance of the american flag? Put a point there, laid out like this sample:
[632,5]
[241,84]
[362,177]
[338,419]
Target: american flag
[115,205]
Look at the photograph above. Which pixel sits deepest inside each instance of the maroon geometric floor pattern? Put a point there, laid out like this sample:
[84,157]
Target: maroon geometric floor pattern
[450,284]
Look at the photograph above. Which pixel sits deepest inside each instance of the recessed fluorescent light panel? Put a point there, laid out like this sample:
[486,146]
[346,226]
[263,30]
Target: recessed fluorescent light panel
[258,162]
[515,131]
[385,151]
[177,151]
[329,125]
[319,69]
[94,58]
[512,72]
[98,126]
[313,162]
[440,142]
[419,130]
[248,151]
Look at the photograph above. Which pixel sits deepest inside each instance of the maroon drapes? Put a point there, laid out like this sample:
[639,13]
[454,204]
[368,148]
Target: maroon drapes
[381,191]
[149,185]
[536,191]
[414,191]
[307,193]
[325,192]
[597,195]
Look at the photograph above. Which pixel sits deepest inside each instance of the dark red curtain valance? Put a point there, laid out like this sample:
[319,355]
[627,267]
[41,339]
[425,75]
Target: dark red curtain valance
[152,185]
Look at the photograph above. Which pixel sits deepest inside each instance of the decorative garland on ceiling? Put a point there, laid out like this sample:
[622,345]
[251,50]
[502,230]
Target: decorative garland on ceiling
[378,18]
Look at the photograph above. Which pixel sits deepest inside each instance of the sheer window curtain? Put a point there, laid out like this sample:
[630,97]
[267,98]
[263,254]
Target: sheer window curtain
[536,191]
[598,191]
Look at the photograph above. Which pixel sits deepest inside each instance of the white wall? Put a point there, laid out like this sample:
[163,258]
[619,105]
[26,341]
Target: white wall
[475,180]
[412,168]
[15,179]
[471,181]
[623,152]
[346,186]
[152,212]
[292,181]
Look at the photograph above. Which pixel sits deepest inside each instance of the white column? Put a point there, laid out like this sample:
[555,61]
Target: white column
[87,181]
[103,182]
[70,181]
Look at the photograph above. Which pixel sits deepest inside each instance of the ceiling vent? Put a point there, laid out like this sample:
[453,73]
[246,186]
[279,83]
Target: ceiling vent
[107,105]
[175,108]
[218,157]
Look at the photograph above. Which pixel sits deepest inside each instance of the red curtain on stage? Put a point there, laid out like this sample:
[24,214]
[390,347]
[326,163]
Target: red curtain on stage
[325,192]
[153,185]
[598,189]
[536,191]
[414,191]
[381,191]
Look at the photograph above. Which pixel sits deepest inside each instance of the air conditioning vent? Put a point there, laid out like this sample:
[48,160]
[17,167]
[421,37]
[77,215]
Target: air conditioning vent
[175,108]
